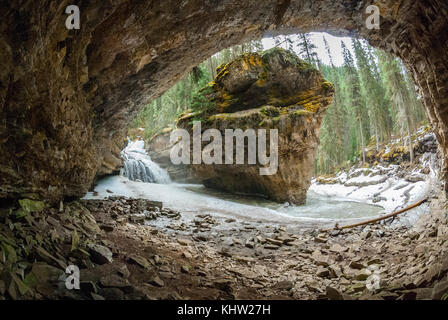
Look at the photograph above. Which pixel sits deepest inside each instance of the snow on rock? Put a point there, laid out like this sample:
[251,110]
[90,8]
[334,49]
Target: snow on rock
[387,187]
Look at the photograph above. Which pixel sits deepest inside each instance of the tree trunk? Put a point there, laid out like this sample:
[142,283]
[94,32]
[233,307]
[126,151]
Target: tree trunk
[212,67]
[362,142]
[411,148]
[376,138]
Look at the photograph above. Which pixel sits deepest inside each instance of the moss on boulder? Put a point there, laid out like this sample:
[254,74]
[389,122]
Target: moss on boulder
[275,77]
[273,89]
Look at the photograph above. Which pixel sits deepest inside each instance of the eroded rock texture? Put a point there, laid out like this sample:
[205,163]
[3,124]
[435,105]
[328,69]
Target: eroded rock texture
[66,96]
[271,90]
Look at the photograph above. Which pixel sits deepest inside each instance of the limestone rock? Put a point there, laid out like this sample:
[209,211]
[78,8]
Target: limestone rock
[274,242]
[113,280]
[333,294]
[356,265]
[322,272]
[363,275]
[100,254]
[156,281]
[141,261]
[270,90]
[123,271]
[184,242]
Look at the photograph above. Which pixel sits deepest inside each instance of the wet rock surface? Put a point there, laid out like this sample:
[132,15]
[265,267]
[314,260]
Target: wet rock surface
[211,257]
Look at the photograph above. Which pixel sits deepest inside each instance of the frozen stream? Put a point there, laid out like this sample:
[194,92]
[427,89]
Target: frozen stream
[194,199]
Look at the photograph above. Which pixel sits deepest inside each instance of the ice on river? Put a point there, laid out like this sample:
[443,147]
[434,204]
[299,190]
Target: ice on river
[196,199]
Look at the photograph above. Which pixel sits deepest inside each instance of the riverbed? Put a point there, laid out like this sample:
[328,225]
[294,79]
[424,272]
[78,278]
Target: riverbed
[191,200]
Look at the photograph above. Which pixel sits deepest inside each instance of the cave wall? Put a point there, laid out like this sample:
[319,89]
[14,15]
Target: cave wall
[67,96]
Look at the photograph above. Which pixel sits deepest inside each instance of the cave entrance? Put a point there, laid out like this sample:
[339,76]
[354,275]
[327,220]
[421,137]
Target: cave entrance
[127,55]
[376,152]
[65,108]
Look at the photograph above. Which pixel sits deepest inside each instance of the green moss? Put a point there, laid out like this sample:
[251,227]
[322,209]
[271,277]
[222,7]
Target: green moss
[327,85]
[311,107]
[221,67]
[270,111]
[32,205]
[286,55]
[224,72]
[27,206]
[276,119]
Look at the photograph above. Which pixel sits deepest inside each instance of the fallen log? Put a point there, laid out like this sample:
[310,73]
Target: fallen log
[393,214]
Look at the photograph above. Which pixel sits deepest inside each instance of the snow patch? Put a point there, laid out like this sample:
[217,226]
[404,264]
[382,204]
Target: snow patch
[383,186]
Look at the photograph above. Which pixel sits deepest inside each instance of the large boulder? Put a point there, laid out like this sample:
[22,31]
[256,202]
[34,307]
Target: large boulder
[269,90]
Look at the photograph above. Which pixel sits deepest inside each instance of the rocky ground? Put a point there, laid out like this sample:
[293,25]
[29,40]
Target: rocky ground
[136,249]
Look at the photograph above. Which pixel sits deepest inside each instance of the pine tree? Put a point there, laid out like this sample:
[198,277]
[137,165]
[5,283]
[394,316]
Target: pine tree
[418,111]
[285,42]
[373,92]
[336,111]
[353,95]
[306,49]
[398,92]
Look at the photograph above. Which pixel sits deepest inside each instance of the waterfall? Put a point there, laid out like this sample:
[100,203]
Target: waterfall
[139,166]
